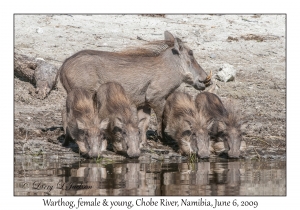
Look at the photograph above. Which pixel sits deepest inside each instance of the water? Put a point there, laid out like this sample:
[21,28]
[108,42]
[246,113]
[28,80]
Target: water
[39,176]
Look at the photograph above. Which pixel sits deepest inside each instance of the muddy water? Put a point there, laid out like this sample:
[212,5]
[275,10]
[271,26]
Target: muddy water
[39,176]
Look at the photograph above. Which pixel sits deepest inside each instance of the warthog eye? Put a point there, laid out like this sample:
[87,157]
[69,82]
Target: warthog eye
[191,52]
[117,130]
[81,132]
[187,133]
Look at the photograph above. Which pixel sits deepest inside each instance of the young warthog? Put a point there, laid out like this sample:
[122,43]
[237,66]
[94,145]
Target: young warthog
[228,124]
[122,113]
[82,124]
[147,74]
[182,123]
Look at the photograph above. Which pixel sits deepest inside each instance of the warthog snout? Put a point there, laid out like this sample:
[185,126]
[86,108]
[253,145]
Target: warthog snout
[234,153]
[188,146]
[133,154]
[193,146]
[233,141]
[94,151]
[203,153]
[203,149]
[208,83]
[234,148]
[133,145]
[200,84]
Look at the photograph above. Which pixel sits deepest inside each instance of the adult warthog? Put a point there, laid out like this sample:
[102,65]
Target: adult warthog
[148,74]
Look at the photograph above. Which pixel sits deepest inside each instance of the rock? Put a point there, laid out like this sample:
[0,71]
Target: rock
[36,71]
[226,73]
[39,30]
[46,76]
[24,67]
[213,56]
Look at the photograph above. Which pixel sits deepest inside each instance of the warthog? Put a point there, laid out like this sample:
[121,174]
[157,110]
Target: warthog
[228,124]
[182,123]
[148,74]
[82,124]
[122,113]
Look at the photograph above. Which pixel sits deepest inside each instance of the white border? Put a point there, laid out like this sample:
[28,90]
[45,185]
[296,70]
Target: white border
[154,6]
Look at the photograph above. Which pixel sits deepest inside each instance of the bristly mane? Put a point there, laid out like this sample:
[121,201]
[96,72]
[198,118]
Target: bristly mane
[183,105]
[151,49]
[118,101]
[234,117]
[211,104]
[202,120]
[83,105]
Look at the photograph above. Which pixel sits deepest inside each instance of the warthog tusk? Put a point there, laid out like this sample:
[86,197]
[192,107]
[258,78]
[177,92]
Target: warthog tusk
[208,78]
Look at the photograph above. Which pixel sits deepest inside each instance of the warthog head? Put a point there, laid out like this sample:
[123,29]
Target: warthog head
[192,136]
[187,139]
[184,133]
[90,137]
[202,127]
[126,138]
[231,133]
[185,60]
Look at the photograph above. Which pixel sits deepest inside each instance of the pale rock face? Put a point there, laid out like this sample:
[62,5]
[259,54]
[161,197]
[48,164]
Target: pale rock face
[226,73]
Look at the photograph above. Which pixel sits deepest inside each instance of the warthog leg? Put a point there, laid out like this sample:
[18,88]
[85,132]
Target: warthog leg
[155,97]
[68,138]
[144,119]
[64,120]
[159,112]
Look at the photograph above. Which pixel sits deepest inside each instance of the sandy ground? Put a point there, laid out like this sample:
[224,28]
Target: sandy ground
[255,45]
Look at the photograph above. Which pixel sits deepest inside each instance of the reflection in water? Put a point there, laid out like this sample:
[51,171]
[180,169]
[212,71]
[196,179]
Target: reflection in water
[158,178]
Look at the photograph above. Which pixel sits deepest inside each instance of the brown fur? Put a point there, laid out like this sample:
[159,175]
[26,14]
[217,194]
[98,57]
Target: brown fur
[81,105]
[113,102]
[182,123]
[228,124]
[151,49]
[148,74]
[82,124]
[234,117]
[123,125]
[210,105]
[182,105]
[119,103]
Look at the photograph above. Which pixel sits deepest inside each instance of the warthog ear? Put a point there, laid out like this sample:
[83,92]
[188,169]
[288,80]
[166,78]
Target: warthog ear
[104,123]
[221,126]
[167,129]
[169,36]
[210,124]
[187,125]
[118,122]
[177,46]
[80,125]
